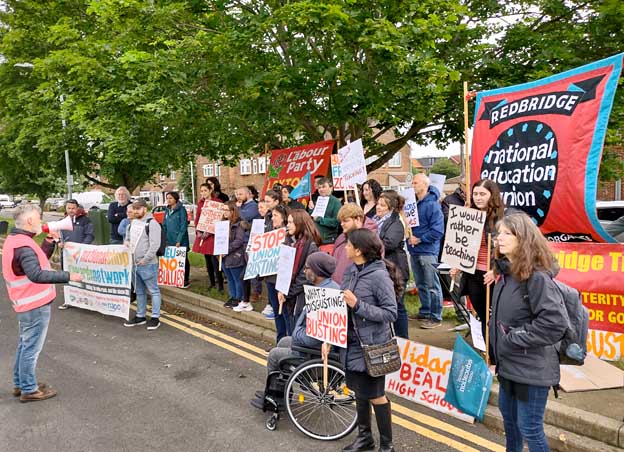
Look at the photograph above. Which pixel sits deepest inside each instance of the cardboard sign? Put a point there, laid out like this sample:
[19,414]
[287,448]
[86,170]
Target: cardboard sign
[264,253]
[107,276]
[595,270]
[285,268]
[326,315]
[464,232]
[423,377]
[352,164]
[411,207]
[437,180]
[320,207]
[594,374]
[542,142]
[222,237]
[211,212]
[288,166]
[336,172]
[171,267]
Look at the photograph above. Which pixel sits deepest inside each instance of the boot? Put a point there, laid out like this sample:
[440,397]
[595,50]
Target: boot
[364,439]
[383,414]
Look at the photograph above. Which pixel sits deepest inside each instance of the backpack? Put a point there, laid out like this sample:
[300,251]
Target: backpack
[163,238]
[572,349]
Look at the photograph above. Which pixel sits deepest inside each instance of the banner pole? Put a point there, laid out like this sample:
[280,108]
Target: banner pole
[487,303]
[220,261]
[325,371]
[466,146]
[357,195]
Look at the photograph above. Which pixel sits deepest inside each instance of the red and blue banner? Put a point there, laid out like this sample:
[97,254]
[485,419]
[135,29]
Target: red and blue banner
[541,142]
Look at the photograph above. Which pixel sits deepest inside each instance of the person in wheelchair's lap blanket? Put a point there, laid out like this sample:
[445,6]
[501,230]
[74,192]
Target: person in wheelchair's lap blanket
[318,270]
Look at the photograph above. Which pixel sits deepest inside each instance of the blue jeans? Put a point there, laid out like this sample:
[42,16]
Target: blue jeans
[429,288]
[33,328]
[524,420]
[146,278]
[281,320]
[235,284]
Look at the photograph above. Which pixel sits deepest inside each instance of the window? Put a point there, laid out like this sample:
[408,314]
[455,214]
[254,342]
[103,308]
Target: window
[254,166]
[262,165]
[162,177]
[172,176]
[217,169]
[245,167]
[395,161]
[208,170]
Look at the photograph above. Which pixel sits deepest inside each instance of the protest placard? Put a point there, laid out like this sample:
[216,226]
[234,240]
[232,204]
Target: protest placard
[326,315]
[476,334]
[211,212]
[352,164]
[411,207]
[107,275]
[171,267]
[320,207]
[285,268]
[423,377]
[437,180]
[463,238]
[336,172]
[263,257]
[257,227]
[222,237]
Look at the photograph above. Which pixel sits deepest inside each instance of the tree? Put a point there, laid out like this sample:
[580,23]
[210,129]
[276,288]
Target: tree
[446,167]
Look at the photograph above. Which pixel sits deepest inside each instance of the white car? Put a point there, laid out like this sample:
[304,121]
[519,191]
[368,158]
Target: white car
[609,211]
[6,202]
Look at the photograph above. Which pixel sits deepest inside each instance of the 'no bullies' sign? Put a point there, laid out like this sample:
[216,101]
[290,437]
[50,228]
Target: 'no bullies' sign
[171,267]
[541,142]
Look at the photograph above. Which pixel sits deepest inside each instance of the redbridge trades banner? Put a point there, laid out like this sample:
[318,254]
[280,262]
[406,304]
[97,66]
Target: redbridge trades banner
[541,142]
[597,270]
[288,166]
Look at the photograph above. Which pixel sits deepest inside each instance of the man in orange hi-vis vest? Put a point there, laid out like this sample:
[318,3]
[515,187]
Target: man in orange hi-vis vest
[30,284]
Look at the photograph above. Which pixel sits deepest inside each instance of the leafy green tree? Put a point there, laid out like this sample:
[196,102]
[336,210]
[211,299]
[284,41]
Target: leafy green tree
[447,167]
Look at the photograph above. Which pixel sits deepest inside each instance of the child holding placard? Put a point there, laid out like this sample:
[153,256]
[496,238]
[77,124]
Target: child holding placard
[233,263]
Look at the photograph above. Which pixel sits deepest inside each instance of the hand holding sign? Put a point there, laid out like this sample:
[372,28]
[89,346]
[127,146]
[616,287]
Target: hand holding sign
[350,298]
[320,207]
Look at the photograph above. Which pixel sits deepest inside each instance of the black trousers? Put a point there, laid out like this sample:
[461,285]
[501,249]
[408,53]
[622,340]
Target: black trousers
[212,265]
[476,290]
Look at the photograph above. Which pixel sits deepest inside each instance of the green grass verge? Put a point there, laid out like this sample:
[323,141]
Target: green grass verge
[197,260]
[412,305]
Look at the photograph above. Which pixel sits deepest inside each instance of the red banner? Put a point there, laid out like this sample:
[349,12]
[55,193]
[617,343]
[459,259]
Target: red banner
[597,271]
[288,166]
[541,142]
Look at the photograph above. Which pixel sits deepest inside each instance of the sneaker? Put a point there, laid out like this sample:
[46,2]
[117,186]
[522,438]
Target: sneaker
[270,316]
[38,395]
[186,286]
[135,322]
[267,309]
[231,303]
[153,323]
[63,307]
[242,306]
[430,324]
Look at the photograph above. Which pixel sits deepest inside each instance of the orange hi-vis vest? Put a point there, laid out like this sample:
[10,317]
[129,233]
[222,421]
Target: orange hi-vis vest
[23,293]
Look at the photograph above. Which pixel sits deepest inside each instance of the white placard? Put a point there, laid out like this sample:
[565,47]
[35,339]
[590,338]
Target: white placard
[463,238]
[411,207]
[222,237]
[352,164]
[285,268]
[257,227]
[326,315]
[476,333]
[320,207]
[211,212]
[437,180]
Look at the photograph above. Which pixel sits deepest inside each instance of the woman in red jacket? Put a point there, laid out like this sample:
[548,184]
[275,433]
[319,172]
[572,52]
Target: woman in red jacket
[204,240]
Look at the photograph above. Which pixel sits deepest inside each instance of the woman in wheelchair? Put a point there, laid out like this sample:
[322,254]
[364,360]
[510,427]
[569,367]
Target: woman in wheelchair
[370,288]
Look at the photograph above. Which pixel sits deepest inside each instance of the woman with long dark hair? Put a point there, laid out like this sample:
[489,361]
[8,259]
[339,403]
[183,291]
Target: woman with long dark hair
[175,225]
[485,197]
[278,218]
[371,190]
[204,240]
[529,318]
[391,231]
[216,186]
[305,238]
[370,287]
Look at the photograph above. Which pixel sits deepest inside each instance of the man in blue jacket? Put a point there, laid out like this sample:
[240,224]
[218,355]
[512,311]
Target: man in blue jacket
[424,247]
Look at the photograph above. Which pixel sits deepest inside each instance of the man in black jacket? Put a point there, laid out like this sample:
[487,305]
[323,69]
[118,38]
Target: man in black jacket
[30,284]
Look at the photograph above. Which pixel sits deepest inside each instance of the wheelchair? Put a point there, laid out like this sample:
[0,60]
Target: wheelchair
[323,413]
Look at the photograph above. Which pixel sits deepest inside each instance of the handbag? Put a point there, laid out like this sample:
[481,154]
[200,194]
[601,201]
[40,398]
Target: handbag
[381,359]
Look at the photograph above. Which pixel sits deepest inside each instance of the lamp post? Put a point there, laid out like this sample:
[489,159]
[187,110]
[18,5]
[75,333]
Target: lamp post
[30,67]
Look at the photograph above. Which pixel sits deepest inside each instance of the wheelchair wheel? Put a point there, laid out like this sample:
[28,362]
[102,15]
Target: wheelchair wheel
[320,413]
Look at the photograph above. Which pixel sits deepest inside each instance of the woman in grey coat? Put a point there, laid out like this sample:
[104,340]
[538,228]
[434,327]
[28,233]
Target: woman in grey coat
[370,294]
[528,319]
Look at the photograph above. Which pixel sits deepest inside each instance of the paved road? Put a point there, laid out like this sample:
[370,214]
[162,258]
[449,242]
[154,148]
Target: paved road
[183,387]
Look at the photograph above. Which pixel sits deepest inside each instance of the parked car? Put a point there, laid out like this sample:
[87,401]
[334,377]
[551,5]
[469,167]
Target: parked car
[6,202]
[159,213]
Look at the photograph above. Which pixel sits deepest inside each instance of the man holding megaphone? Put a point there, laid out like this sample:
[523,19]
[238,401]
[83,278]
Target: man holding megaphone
[30,285]
[81,230]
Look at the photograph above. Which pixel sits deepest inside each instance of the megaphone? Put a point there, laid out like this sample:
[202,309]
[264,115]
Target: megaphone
[66,224]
